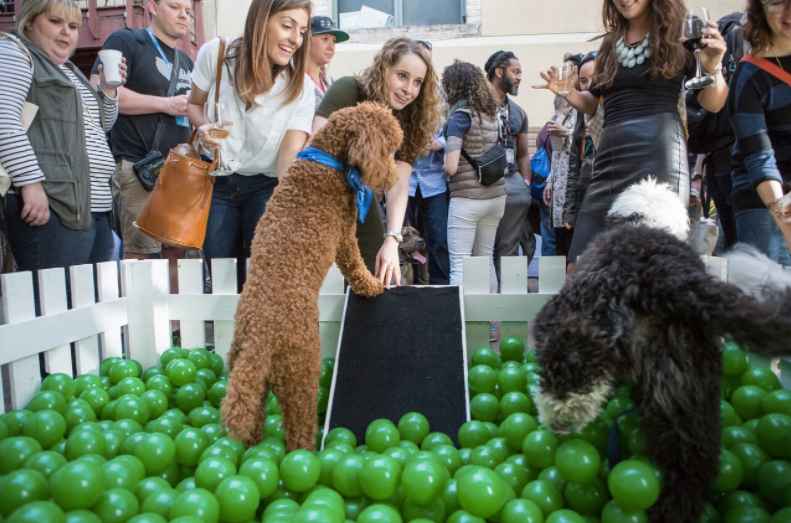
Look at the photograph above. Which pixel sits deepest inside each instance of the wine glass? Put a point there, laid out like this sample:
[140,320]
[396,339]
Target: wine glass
[695,22]
[216,114]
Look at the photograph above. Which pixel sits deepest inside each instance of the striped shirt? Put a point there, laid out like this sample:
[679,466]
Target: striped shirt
[16,152]
[760,108]
[100,158]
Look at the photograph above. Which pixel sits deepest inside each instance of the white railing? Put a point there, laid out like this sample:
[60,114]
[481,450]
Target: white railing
[139,308]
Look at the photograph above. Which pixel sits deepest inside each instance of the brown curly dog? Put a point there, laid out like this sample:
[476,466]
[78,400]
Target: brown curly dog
[309,223]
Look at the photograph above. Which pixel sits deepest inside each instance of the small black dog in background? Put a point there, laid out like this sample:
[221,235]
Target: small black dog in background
[641,308]
[413,252]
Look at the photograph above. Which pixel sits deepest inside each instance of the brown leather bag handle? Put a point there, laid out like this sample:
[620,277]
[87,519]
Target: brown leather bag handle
[220,60]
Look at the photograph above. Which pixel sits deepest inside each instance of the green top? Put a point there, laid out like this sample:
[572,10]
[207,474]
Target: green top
[346,92]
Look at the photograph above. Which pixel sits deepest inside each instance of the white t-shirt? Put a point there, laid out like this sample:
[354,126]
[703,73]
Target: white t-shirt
[256,134]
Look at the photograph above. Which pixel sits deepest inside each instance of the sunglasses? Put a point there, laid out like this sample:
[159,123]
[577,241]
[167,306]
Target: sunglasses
[774,7]
[425,44]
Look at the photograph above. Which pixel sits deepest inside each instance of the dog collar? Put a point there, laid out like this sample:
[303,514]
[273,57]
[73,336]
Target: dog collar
[364,195]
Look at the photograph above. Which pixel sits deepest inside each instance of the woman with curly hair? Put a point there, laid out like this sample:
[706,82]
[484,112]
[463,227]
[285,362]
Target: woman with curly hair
[403,79]
[640,72]
[475,209]
[760,105]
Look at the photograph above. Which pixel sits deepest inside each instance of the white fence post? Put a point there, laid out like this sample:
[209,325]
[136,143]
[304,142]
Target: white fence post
[193,333]
[107,283]
[223,280]
[19,306]
[52,291]
[513,280]
[147,285]
[551,274]
[476,281]
[330,331]
[83,294]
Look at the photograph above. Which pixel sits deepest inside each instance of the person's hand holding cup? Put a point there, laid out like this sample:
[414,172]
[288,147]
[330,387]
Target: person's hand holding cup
[565,81]
[112,71]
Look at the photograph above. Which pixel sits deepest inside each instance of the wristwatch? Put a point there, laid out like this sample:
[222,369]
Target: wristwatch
[397,235]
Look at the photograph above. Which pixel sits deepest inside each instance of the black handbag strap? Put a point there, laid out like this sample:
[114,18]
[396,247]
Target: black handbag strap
[469,159]
[174,75]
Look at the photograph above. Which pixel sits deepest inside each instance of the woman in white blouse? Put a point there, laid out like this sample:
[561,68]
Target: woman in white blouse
[59,205]
[270,105]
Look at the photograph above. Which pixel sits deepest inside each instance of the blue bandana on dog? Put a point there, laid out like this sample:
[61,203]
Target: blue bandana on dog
[364,194]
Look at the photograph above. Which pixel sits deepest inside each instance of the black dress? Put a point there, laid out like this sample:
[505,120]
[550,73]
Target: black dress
[643,136]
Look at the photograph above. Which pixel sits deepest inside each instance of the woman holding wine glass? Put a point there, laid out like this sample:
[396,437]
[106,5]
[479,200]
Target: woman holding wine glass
[760,108]
[262,120]
[640,72]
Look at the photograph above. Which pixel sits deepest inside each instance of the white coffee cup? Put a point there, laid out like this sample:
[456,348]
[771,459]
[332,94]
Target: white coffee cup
[111,62]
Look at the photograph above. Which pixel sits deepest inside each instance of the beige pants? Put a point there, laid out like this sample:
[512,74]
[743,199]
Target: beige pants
[130,197]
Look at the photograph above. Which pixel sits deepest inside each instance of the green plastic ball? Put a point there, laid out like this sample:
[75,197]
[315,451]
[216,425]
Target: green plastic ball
[238,499]
[116,505]
[633,485]
[197,502]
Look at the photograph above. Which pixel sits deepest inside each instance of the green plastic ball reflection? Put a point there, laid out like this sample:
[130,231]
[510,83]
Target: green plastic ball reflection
[540,448]
[634,485]
[481,492]
[197,502]
[21,487]
[380,477]
[238,499]
[413,427]
[77,485]
[116,506]
[211,472]
[45,426]
[378,513]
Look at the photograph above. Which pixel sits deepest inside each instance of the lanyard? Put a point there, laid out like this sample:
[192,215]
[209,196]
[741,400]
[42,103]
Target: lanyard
[162,54]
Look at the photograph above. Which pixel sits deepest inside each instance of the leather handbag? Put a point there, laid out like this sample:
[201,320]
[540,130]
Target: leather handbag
[177,210]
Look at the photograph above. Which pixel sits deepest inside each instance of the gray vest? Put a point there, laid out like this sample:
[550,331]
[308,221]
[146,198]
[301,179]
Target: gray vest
[57,135]
[482,136]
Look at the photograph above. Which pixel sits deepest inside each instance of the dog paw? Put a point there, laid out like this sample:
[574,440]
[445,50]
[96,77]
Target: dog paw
[368,288]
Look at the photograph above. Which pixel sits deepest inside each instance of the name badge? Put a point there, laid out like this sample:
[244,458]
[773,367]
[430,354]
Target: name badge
[182,121]
[510,156]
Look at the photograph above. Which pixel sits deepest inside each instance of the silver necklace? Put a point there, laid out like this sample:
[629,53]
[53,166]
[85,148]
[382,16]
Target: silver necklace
[630,55]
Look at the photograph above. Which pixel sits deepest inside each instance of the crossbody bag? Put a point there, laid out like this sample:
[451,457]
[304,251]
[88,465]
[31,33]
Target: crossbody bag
[149,168]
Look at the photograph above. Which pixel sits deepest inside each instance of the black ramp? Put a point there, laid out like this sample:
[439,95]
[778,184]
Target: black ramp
[401,352]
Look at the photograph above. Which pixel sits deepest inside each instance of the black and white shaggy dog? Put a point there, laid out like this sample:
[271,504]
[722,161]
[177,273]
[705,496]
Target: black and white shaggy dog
[641,308]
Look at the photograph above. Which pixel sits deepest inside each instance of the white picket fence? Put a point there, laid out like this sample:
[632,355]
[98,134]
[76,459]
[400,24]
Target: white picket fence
[138,308]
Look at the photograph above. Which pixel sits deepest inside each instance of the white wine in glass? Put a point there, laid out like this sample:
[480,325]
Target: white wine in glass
[216,114]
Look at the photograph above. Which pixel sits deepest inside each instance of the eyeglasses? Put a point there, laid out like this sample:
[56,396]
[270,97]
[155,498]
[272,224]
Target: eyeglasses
[774,7]
[425,44]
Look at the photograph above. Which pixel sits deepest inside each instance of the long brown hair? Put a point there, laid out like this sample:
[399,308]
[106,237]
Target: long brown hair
[420,119]
[668,56]
[757,30]
[253,73]
[465,81]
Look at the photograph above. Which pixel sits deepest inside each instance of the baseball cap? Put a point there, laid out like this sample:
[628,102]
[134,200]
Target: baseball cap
[324,24]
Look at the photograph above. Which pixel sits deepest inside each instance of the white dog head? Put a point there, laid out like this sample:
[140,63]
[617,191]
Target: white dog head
[653,204]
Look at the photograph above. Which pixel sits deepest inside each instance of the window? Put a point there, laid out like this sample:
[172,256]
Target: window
[355,14]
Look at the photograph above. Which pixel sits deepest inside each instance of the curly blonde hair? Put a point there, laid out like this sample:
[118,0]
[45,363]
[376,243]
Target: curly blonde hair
[420,119]
[465,81]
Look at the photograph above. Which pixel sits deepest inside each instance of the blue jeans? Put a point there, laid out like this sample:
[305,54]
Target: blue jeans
[52,245]
[432,215]
[237,205]
[757,228]
[547,232]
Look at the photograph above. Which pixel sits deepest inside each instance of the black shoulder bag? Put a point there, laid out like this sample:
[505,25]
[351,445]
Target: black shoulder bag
[147,170]
[491,165]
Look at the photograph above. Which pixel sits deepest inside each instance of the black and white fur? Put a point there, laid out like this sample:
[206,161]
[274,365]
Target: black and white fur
[641,308]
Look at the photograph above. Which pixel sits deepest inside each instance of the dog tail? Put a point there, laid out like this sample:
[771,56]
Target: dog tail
[761,326]
[754,273]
